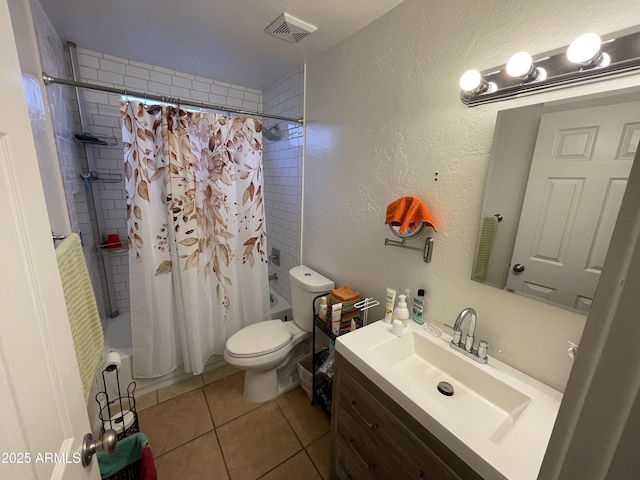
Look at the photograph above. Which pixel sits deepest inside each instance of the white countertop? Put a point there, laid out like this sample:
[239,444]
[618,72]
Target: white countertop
[515,456]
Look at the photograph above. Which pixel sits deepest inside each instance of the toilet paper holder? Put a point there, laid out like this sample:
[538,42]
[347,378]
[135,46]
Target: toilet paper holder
[117,409]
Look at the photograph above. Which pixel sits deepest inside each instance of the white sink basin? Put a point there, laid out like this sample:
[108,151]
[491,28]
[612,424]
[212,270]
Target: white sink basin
[498,419]
[482,400]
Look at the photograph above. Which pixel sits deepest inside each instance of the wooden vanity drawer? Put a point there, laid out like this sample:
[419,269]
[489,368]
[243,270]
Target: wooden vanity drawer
[347,465]
[381,439]
[389,440]
[373,456]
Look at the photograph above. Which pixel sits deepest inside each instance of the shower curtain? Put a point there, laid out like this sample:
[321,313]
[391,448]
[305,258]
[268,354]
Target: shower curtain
[197,241]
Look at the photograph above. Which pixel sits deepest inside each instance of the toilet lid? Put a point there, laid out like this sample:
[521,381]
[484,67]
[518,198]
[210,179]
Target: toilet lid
[259,339]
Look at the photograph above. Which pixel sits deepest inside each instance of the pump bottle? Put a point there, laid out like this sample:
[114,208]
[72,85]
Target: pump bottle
[401,312]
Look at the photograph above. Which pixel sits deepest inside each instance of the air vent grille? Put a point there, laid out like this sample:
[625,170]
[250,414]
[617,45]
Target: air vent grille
[290,28]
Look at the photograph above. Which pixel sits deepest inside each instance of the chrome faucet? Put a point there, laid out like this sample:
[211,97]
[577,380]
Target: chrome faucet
[457,327]
[480,354]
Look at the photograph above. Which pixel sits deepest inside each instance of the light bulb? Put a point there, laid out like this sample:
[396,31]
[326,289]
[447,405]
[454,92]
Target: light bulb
[585,50]
[471,81]
[519,65]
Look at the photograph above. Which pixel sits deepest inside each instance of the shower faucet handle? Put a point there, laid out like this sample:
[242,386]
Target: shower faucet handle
[274,258]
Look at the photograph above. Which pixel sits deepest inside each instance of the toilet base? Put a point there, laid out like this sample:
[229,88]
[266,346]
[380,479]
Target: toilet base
[264,385]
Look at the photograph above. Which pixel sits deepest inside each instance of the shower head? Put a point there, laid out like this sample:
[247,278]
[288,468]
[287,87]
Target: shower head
[273,133]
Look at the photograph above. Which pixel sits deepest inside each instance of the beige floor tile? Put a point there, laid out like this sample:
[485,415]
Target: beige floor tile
[257,442]
[175,422]
[219,373]
[200,459]
[147,400]
[319,452]
[297,467]
[308,421]
[225,399]
[180,388]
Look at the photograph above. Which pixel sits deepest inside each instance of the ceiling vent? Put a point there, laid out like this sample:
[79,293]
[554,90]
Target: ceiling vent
[290,28]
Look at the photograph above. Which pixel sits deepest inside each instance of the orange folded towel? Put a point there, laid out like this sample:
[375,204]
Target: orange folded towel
[408,212]
[344,294]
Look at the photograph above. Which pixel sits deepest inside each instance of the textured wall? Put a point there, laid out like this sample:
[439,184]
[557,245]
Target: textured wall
[383,115]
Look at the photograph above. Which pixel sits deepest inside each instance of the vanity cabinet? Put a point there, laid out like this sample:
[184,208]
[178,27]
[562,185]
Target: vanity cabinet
[374,438]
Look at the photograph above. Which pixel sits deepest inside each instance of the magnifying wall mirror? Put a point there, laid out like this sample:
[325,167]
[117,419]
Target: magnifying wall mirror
[557,175]
[409,233]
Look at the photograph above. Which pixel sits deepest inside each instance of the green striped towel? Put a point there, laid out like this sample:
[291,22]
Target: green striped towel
[84,319]
[487,236]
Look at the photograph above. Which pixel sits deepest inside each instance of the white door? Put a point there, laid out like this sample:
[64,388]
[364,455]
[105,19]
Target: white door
[578,175]
[44,413]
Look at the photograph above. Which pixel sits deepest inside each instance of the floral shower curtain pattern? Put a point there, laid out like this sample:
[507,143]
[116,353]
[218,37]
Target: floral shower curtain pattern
[197,241]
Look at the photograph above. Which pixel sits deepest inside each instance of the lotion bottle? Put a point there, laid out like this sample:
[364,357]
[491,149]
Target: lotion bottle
[323,309]
[401,312]
[336,315]
[388,309]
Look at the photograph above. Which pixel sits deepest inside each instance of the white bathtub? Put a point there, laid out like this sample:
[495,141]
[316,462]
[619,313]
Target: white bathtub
[117,334]
[279,307]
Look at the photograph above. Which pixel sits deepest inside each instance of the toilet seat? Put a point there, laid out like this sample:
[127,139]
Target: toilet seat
[259,339]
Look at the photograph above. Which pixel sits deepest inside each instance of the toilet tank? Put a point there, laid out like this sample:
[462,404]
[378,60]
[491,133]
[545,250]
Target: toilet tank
[306,284]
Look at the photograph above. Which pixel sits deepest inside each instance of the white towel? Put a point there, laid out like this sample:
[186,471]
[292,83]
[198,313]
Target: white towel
[84,319]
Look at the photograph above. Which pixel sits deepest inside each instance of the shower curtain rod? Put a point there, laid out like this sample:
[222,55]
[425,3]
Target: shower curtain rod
[48,79]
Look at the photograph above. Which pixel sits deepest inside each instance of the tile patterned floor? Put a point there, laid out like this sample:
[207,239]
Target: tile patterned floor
[203,428]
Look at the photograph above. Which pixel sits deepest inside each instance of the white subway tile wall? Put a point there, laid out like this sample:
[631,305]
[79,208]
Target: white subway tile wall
[283,176]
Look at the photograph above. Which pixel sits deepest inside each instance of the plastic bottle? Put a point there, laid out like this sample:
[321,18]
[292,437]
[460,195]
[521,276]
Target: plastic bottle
[336,315]
[401,312]
[323,309]
[418,307]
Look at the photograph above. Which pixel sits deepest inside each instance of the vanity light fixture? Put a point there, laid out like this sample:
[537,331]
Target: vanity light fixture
[521,66]
[585,51]
[588,58]
[472,83]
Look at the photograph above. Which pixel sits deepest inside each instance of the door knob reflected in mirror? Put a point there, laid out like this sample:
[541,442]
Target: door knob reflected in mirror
[518,268]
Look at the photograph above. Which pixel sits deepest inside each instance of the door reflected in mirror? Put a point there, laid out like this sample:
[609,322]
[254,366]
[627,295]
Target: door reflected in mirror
[557,175]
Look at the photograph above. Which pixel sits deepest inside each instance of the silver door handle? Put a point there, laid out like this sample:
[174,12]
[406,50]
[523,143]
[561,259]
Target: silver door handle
[107,443]
[518,268]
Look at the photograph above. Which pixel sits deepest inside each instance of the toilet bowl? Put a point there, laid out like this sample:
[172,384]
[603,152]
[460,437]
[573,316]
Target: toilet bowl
[268,350]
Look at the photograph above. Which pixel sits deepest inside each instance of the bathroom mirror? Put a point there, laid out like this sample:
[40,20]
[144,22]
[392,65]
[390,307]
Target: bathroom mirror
[556,177]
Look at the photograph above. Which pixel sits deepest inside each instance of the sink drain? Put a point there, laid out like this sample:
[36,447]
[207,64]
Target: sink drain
[445,388]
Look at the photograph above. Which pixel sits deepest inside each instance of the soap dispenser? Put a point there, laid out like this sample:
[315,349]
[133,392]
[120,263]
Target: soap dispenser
[402,312]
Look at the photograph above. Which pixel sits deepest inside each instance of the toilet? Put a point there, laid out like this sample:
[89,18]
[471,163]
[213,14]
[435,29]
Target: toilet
[268,351]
